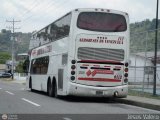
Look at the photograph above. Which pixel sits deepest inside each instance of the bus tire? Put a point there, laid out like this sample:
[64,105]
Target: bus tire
[55,90]
[50,88]
[30,84]
[54,84]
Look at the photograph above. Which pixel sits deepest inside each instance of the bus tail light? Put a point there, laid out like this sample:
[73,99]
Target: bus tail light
[125,80]
[126,64]
[72,72]
[73,61]
[108,10]
[126,75]
[73,67]
[126,72]
[126,69]
[72,78]
[102,10]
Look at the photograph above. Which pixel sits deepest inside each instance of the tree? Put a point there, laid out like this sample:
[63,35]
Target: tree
[3,31]
[4,56]
[19,67]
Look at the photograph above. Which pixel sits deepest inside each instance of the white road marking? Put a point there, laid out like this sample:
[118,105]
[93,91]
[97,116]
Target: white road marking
[9,93]
[30,102]
[67,118]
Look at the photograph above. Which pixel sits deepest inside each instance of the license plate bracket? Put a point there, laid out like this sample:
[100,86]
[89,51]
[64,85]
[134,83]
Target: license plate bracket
[99,92]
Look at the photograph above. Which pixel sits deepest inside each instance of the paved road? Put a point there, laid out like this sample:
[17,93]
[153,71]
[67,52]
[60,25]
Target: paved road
[14,99]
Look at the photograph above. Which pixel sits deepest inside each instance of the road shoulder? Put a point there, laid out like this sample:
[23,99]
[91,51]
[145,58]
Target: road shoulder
[140,101]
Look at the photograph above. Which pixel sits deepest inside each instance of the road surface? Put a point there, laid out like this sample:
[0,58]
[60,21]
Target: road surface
[14,99]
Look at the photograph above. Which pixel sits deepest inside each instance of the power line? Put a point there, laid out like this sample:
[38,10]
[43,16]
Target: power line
[48,5]
[16,5]
[13,25]
[35,4]
[13,38]
[58,6]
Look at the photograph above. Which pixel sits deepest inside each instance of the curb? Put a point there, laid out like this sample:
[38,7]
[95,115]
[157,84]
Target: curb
[7,79]
[20,82]
[137,103]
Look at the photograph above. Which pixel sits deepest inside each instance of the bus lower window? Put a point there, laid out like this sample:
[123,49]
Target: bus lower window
[40,65]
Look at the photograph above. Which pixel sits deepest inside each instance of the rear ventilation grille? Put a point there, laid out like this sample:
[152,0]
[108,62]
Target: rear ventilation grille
[100,54]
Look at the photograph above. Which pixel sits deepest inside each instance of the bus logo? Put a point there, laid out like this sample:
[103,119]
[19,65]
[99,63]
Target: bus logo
[104,40]
[94,72]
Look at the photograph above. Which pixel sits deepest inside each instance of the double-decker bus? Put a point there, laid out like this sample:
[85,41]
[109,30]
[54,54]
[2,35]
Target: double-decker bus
[83,53]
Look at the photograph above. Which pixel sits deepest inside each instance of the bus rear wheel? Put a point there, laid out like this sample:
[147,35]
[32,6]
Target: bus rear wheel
[30,85]
[55,90]
[50,89]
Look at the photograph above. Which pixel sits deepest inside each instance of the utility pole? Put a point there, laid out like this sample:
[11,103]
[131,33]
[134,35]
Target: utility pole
[155,55]
[13,39]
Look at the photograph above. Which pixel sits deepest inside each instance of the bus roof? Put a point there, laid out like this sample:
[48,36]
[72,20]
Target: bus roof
[85,10]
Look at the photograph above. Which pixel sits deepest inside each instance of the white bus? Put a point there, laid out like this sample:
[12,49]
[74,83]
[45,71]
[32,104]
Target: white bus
[83,53]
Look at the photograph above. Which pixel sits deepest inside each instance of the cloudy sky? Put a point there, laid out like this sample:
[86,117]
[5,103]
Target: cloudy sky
[35,14]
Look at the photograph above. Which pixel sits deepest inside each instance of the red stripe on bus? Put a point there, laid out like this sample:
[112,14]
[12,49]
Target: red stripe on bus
[100,79]
[101,61]
[117,67]
[107,66]
[85,65]
[96,65]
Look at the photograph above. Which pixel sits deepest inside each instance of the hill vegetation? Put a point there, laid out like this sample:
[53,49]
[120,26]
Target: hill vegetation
[21,43]
[140,33]
[4,56]
[143,36]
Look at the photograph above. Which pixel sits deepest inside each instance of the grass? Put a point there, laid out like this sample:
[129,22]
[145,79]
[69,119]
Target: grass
[6,79]
[10,80]
[142,94]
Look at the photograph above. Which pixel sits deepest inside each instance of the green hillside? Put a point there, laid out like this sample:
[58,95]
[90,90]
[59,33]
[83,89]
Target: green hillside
[143,36]
[21,41]
[140,33]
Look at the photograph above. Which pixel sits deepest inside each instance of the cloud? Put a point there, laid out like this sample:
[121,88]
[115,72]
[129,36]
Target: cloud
[9,9]
[36,14]
[138,9]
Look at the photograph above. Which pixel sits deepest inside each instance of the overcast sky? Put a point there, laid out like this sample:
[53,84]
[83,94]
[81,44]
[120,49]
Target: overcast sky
[35,14]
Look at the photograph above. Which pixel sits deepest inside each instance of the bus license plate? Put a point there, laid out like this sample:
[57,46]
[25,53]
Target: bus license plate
[99,92]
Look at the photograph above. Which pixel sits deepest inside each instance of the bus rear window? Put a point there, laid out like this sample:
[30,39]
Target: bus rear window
[103,22]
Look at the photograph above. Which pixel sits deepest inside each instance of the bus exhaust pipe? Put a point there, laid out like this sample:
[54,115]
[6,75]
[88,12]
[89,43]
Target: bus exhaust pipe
[115,94]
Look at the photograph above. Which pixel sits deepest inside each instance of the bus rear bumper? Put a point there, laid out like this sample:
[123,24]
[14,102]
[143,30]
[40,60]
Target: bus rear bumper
[92,91]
